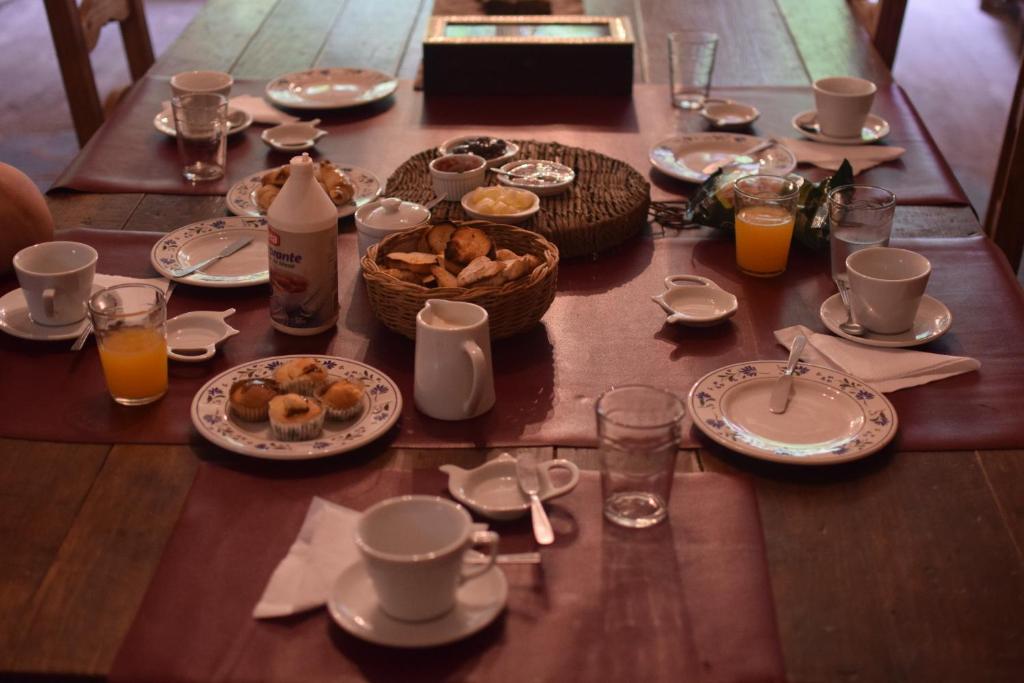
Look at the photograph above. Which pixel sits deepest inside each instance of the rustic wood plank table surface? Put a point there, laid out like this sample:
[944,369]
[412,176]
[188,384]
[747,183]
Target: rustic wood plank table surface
[905,566]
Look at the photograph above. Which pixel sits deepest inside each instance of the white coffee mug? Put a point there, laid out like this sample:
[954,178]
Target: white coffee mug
[843,104]
[453,375]
[886,286]
[414,548]
[56,279]
[194,82]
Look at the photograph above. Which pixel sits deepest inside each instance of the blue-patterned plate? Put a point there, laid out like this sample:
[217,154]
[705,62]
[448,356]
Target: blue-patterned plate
[382,404]
[241,198]
[199,241]
[832,417]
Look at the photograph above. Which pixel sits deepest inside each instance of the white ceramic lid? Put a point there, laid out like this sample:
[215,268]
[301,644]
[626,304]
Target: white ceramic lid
[393,214]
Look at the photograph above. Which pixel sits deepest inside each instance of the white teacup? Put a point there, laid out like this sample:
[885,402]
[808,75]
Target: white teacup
[843,104]
[453,378]
[414,548]
[56,279]
[886,286]
[196,82]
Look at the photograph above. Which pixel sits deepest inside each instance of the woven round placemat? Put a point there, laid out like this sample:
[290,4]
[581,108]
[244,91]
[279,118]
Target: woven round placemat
[606,205]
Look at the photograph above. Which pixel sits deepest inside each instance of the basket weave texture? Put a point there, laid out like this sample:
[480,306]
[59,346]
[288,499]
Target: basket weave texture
[605,206]
[512,308]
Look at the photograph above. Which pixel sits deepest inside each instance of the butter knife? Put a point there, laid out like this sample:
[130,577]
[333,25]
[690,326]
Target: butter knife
[529,482]
[729,161]
[780,392]
[225,252]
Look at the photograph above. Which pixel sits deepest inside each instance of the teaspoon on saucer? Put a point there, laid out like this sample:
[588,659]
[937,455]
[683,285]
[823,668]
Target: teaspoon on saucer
[854,329]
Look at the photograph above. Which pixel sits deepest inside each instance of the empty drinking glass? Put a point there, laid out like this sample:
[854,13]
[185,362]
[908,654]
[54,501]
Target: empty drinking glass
[201,122]
[691,57]
[860,216]
[638,431]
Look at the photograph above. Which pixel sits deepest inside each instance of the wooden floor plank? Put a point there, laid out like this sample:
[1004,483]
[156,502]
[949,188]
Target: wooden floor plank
[1004,471]
[935,221]
[104,212]
[42,488]
[830,41]
[290,39]
[165,212]
[216,38]
[90,595]
[357,40]
[890,568]
[589,459]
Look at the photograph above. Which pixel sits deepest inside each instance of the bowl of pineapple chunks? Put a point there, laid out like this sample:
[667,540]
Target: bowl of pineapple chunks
[498,204]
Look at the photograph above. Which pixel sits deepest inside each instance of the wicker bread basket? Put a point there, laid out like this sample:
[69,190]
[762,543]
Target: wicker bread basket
[512,308]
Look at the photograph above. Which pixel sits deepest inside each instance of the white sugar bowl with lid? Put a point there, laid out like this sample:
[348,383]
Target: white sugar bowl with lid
[379,219]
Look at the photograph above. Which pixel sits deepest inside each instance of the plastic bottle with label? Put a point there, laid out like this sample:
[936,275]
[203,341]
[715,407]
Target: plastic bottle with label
[302,246]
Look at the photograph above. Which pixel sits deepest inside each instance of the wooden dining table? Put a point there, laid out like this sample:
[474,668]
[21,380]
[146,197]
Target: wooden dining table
[906,565]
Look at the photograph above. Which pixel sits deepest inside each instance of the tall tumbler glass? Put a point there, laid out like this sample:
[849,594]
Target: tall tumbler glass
[130,325]
[859,216]
[638,431]
[765,208]
[691,58]
[201,122]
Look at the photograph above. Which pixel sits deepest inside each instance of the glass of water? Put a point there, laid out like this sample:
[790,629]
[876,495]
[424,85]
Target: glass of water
[201,122]
[691,58]
[638,431]
[860,216]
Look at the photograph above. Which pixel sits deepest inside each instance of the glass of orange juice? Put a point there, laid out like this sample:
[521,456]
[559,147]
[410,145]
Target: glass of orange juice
[130,325]
[765,208]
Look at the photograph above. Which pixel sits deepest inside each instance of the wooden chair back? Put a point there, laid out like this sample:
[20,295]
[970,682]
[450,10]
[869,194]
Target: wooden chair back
[883,20]
[1004,219]
[76,30]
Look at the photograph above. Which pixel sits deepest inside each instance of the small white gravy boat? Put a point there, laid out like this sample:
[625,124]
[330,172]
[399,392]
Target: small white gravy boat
[698,303]
[193,336]
[293,137]
[492,489]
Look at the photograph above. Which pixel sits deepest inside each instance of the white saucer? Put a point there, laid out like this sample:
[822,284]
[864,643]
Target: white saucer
[238,120]
[875,129]
[15,321]
[933,320]
[353,606]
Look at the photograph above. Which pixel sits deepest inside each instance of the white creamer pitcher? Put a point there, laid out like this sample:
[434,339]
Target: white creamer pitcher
[453,378]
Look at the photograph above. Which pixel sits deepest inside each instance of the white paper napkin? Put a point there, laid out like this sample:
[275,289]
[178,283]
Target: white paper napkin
[323,549]
[260,110]
[862,157]
[111,280]
[885,369]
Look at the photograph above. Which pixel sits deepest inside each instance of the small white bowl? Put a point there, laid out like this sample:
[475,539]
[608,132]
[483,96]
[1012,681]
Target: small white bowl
[452,184]
[293,137]
[492,489]
[377,220]
[699,303]
[504,218]
[511,149]
[727,114]
[193,336]
[543,167]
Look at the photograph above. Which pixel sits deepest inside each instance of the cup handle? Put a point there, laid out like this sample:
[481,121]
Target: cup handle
[48,301]
[553,491]
[476,357]
[481,538]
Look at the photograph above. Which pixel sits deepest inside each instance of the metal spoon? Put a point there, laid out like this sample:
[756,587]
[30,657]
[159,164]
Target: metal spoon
[729,161]
[849,327]
[541,176]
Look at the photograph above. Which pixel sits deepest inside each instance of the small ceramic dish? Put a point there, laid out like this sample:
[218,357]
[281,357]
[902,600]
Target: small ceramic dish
[379,219]
[875,128]
[468,147]
[543,178]
[472,199]
[193,336]
[238,120]
[699,303]
[293,137]
[727,115]
[492,489]
[453,175]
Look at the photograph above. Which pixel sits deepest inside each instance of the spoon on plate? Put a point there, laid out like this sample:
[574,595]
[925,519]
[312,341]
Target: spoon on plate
[849,327]
[728,161]
[539,176]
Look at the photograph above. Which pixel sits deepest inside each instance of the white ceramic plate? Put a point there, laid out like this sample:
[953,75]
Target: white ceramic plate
[15,320]
[241,198]
[353,606]
[238,121]
[684,156]
[382,404]
[875,129]
[335,88]
[932,321]
[511,148]
[201,240]
[832,417]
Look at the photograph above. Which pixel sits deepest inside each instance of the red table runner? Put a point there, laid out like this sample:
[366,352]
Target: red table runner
[602,329]
[685,601]
[129,155]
